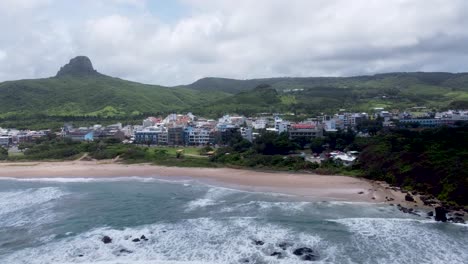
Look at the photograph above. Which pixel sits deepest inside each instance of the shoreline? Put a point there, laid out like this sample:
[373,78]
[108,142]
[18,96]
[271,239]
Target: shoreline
[302,185]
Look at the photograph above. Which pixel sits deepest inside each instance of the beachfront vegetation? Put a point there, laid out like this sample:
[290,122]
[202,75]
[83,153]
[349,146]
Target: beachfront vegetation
[434,161]
[3,153]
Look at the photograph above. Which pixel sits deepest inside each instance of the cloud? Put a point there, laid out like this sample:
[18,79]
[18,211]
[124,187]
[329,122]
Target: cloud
[237,39]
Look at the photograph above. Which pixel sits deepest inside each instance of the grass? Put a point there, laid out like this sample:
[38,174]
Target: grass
[192,151]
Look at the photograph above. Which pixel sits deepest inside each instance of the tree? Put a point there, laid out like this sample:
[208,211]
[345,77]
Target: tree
[316,145]
[3,153]
[270,143]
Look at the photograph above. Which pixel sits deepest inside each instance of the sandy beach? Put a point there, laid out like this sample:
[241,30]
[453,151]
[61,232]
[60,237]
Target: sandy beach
[308,186]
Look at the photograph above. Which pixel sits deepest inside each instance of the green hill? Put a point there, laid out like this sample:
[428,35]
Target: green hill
[322,94]
[79,90]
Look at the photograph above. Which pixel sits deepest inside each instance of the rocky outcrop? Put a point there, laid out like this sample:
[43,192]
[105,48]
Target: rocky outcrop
[409,198]
[277,254]
[106,240]
[440,214]
[306,253]
[284,245]
[258,242]
[78,66]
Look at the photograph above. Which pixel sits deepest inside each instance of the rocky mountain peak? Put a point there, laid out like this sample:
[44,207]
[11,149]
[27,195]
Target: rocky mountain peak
[78,66]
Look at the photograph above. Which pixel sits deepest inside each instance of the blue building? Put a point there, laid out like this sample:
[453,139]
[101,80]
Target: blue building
[146,137]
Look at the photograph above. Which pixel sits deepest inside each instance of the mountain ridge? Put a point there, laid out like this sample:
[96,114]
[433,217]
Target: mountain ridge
[79,90]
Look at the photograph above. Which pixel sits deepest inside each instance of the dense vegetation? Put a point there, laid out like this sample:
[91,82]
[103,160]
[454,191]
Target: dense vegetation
[99,95]
[361,93]
[54,148]
[431,160]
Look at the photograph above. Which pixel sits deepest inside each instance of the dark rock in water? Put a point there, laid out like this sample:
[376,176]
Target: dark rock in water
[136,240]
[244,260]
[124,250]
[106,240]
[310,257]
[277,254]
[284,245]
[430,213]
[440,214]
[409,198]
[143,238]
[457,219]
[80,255]
[258,242]
[459,214]
[360,192]
[302,251]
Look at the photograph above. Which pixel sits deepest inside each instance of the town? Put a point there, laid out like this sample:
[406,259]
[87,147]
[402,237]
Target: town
[191,130]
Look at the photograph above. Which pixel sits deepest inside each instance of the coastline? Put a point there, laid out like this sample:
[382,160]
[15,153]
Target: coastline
[303,185]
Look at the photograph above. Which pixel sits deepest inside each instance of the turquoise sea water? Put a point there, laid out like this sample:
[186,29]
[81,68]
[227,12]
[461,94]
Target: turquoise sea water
[64,220]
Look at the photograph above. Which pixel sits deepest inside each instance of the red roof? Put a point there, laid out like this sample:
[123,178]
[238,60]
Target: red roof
[303,126]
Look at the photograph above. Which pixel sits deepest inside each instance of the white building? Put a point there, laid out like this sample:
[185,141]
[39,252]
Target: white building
[246,133]
[5,141]
[260,123]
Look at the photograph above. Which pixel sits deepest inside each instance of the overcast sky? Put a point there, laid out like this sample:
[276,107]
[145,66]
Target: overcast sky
[177,42]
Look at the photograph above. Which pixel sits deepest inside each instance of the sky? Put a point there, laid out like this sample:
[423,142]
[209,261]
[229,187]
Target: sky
[175,42]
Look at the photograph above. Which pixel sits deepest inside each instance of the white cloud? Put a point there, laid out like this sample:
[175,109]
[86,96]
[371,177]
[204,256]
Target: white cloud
[239,39]
[3,55]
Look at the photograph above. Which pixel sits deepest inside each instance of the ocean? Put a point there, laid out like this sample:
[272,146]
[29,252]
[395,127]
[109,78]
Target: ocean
[64,220]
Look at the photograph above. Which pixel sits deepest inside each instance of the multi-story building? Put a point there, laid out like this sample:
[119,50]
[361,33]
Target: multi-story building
[5,141]
[175,136]
[151,136]
[428,122]
[281,125]
[147,137]
[260,123]
[307,130]
[199,136]
[246,133]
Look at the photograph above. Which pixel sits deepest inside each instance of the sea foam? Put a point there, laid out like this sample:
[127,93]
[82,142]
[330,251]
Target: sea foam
[202,240]
[20,199]
[400,240]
